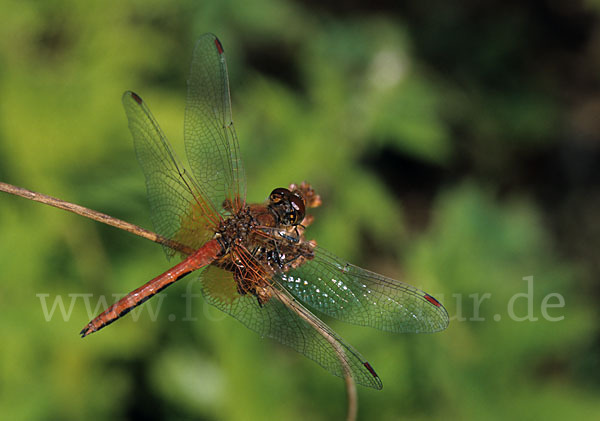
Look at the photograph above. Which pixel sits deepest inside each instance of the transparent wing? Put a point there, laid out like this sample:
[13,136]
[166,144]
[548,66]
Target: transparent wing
[294,328]
[178,211]
[210,140]
[354,295]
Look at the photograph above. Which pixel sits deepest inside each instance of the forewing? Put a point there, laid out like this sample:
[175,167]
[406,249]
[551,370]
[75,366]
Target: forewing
[210,140]
[177,209]
[354,295]
[288,325]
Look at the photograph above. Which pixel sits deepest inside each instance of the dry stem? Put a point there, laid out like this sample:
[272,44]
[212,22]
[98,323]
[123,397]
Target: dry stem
[96,216]
[300,311]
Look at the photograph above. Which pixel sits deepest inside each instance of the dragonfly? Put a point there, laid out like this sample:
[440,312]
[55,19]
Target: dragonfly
[253,260]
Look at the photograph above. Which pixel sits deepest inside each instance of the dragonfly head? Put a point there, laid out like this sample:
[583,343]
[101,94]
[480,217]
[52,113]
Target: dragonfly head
[289,207]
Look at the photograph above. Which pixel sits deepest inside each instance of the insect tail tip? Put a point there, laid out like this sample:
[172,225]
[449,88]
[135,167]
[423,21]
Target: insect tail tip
[86,331]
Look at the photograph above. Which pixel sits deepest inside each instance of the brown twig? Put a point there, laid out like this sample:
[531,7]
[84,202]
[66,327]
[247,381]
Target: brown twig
[307,317]
[96,216]
[149,235]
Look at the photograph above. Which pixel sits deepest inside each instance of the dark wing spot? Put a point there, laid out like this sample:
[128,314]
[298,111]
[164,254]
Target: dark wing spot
[432,300]
[368,367]
[136,98]
[219,46]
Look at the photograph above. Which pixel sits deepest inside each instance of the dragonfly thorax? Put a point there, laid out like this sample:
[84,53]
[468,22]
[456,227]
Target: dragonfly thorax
[236,229]
[259,240]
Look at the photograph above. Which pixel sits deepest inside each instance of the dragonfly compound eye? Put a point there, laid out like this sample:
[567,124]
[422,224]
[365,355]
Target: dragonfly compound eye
[299,209]
[278,195]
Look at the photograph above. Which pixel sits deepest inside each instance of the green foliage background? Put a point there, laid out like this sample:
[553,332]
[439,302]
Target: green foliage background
[455,147]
